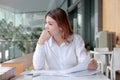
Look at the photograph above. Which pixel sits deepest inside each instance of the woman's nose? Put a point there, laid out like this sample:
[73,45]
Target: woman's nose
[46,26]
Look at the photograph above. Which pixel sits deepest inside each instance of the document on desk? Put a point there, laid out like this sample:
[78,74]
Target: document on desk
[83,73]
[55,73]
[78,70]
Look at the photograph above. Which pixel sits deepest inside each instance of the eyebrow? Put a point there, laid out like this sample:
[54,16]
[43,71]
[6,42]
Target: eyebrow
[50,22]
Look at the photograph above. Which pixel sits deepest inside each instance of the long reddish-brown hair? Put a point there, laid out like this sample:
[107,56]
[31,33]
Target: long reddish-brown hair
[60,16]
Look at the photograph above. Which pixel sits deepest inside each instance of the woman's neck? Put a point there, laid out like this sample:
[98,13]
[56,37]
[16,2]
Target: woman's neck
[58,40]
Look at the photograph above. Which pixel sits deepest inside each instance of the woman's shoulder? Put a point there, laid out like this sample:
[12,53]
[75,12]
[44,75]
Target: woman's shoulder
[78,40]
[77,37]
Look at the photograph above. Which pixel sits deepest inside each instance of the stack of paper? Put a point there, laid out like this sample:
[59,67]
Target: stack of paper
[7,72]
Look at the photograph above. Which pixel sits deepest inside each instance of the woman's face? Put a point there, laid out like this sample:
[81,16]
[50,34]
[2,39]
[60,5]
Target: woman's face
[52,26]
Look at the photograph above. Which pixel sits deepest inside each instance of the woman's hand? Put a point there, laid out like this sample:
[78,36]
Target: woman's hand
[45,35]
[92,65]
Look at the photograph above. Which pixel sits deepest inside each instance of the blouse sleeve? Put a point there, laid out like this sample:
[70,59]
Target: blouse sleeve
[39,57]
[81,52]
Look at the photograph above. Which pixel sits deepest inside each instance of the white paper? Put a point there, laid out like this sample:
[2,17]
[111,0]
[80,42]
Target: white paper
[57,73]
[83,73]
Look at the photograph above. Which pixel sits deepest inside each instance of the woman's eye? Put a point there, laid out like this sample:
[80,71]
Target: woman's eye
[50,24]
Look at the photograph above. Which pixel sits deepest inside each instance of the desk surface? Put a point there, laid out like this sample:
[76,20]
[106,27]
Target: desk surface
[98,76]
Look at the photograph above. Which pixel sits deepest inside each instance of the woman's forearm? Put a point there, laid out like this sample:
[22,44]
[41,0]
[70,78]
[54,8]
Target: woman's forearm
[39,57]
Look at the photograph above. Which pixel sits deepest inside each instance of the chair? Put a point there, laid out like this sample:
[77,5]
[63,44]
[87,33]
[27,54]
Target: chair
[101,59]
[114,64]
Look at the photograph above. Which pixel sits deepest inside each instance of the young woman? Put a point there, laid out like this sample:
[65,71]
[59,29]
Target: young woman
[58,48]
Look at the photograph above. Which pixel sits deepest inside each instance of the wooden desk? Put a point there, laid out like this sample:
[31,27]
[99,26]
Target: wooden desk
[20,63]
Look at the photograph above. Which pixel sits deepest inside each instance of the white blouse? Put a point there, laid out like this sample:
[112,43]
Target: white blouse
[53,57]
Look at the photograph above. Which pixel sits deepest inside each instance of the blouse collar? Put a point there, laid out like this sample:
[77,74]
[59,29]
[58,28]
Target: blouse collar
[52,42]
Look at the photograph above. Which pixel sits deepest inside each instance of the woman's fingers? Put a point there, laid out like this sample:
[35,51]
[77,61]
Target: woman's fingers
[93,64]
[45,35]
